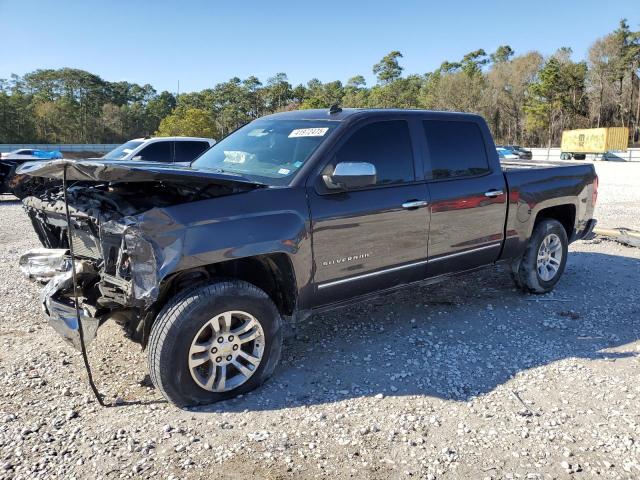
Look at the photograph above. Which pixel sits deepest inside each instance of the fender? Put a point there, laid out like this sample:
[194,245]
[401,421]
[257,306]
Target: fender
[166,241]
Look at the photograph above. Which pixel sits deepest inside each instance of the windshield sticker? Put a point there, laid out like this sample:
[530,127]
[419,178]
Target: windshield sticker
[284,171]
[258,132]
[308,132]
[297,164]
[236,156]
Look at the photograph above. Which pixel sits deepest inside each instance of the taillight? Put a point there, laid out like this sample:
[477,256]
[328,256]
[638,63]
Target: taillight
[594,195]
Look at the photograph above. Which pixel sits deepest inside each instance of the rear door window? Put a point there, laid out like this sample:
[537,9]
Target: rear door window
[456,149]
[157,152]
[387,145]
[186,150]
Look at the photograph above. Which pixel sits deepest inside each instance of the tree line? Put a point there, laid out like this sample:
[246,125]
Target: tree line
[526,99]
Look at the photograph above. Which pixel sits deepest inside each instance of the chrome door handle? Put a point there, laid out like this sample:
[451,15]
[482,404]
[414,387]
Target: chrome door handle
[413,204]
[493,193]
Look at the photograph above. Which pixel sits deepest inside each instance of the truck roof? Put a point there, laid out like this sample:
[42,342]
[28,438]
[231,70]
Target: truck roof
[170,139]
[346,113]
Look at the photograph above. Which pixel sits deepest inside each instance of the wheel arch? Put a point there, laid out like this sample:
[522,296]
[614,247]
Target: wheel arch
[271,272]
[563,213]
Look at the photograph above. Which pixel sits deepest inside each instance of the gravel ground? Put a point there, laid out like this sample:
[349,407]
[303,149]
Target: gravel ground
[618,194]
[465,379]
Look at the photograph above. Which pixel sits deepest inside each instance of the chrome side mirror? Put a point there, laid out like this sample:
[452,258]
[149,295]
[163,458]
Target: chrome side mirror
[348,175]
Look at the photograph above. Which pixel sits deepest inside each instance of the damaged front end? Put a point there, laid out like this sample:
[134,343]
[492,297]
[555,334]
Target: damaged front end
[54,266]
[125,244]
[115,266]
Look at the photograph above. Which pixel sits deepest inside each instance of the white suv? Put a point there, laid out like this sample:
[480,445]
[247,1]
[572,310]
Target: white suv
[161,149]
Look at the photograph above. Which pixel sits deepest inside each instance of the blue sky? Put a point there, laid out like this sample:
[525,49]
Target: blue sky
[201,43]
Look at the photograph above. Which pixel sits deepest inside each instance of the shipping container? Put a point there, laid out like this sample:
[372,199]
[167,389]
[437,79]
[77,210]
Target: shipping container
[577,143]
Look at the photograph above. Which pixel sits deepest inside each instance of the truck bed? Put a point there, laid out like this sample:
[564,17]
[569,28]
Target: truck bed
[534,186]
[509,165]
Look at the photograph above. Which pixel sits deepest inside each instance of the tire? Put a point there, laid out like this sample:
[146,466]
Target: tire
[565,156]
[579,156]
[180,326]
[525,272]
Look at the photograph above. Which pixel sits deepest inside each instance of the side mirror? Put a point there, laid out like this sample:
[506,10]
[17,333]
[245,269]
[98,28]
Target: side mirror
[349,175]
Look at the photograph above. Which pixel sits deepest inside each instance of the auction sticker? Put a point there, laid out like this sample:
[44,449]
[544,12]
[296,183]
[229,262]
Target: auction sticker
[308,132]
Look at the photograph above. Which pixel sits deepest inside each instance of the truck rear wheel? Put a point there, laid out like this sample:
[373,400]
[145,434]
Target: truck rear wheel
[214,342]
[543,262]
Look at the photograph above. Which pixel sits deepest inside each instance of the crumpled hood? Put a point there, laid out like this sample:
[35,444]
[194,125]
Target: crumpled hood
[99,171]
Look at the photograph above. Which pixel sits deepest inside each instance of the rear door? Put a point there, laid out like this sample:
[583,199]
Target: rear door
[157,152]
[468,196]
[375,237]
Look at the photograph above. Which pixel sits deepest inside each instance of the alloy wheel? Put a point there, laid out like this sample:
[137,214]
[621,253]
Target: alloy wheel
[226,351]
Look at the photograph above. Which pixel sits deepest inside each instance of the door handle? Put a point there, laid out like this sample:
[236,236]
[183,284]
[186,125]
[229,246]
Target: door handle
[493,193]
[413,204]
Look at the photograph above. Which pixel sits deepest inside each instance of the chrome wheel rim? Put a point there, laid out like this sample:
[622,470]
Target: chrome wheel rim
[549,257]
[226,351]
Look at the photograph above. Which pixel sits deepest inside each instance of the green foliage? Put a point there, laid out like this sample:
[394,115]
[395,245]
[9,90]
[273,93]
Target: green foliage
[502,54]
[388,69]
[322,95]
[558,95]
[74,106]
[190,122]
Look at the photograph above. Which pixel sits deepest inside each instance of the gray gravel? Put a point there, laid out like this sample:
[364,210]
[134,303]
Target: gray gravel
[619,194]
[465,379]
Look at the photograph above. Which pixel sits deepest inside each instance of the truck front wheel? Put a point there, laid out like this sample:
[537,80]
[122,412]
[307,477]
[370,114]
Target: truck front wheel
[543,262]
[214,342]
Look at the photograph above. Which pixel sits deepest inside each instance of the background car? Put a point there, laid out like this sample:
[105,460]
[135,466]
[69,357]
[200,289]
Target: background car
[28,154]
[160,149]
[174,150]
[506,154]
[519,151]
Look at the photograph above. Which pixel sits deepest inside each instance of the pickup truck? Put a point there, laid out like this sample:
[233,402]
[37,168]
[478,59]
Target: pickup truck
[294,213]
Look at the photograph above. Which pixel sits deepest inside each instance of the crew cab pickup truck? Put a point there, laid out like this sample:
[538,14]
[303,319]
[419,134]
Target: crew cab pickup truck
[292,214]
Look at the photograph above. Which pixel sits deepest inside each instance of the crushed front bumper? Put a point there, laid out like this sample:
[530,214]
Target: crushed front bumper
[62,318]
[54,267]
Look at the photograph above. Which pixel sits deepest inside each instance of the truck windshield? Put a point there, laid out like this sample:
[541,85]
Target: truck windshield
[122,151]
[268,151]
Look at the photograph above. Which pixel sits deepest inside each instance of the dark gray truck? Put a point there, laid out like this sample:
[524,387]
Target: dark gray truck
[292,214]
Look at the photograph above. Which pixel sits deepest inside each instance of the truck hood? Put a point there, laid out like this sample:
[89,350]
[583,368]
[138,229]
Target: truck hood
[130,172]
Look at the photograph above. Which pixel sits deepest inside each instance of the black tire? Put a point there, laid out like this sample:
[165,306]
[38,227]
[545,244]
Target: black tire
[565,156]
[579,156]
[524,270]
[180,320]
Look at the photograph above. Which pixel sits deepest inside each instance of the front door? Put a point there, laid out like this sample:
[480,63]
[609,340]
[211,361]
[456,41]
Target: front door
[376,237]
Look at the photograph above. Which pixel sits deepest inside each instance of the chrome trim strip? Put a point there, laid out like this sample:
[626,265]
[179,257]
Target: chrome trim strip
[457,254]
[371,274]
[415,204]
[493,193]
[402,267]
